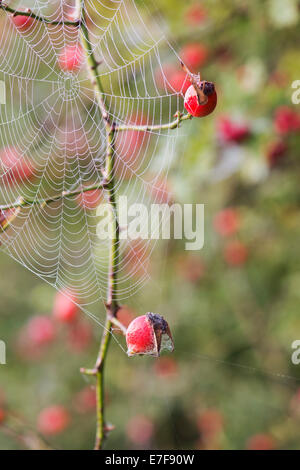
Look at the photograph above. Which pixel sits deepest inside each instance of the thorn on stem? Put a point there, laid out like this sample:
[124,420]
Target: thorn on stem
[99,62]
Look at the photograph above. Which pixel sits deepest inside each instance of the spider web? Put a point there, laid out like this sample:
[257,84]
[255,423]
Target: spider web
[53,140]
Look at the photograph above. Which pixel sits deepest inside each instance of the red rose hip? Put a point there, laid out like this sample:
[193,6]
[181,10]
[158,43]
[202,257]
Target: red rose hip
[148,335]
[201,97]
[193,104]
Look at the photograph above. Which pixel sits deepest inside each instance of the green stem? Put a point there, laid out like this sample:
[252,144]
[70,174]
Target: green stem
[109,177]
[28,13]
[22,202]
[157,127]
[100,394]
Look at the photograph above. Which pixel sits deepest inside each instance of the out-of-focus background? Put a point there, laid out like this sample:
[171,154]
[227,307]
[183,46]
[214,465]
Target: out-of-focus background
[233,307]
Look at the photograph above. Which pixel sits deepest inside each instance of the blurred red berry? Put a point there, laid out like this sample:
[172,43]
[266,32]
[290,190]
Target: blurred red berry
[166,367]
[194,55]
[89,199]
[195,15]
[53,420]
[65,309]
[148,335]
[286,120]
[14,168]
[85,400]
[191,268]
[173,78]
[79,336]
[210,423]
[226,222]
[2,415]
[71,58]
[40,330]
[235,253]
[261,442]
[23,23]
[276,151]
[230,131]
[140,430]
[192,105]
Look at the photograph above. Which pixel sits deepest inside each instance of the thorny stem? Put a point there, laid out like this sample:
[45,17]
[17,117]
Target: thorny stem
[24,202]
[107,184]
[157,127]
[28,13]
[109,176]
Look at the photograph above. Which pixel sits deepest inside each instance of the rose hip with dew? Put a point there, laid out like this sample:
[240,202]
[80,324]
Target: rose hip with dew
[148,335]
[200,100]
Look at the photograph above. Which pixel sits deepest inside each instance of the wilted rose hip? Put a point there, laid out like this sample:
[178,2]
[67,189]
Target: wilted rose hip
[148,335]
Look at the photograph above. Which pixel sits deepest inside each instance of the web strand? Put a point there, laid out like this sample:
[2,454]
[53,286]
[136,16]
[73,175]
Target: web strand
[54,141]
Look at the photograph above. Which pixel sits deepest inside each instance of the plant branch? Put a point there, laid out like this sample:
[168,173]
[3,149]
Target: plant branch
[157,127]
[30,14]
[109,177]
[107,184]
[24,202]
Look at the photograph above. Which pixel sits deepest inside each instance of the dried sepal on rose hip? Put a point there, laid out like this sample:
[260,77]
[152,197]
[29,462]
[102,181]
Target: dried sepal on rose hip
[201,97]
[148,335]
